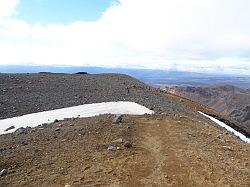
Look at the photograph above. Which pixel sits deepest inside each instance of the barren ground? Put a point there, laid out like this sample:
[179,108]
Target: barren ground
[167,151]
[175,147]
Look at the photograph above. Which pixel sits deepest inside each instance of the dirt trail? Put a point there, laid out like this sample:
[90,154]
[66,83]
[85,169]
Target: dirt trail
[167,168]
[153,144]
[183,154]
[167,151]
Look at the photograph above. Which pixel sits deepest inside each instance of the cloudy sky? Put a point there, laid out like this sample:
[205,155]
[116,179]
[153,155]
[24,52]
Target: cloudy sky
[190,35]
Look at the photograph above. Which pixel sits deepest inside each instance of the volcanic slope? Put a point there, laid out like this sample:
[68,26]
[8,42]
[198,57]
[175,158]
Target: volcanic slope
[175,147]
[28,93]
[225,99]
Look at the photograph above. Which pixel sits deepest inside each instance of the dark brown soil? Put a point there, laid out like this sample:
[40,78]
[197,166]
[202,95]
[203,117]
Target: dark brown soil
[166,151]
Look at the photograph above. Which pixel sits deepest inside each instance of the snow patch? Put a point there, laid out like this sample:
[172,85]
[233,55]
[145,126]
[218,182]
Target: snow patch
[87,110]
[222,124]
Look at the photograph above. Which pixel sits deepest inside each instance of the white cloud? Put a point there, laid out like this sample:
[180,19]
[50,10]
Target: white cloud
[192,35]
[7,7]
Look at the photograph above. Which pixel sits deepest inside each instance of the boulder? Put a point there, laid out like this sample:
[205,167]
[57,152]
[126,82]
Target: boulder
[20,130]
[117,119]
[56,120]
[111,148]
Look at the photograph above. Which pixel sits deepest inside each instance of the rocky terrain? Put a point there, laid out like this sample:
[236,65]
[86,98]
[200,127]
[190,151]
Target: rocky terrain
[28,93]
[141,151]
[175,147]
[225,99]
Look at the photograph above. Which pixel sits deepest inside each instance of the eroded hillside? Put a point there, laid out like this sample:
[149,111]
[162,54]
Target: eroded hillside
[227,100]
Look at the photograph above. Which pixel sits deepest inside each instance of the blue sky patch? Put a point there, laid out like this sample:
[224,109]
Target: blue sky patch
[61,12]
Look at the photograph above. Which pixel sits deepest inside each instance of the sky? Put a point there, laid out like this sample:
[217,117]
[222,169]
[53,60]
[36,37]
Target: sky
[188,35]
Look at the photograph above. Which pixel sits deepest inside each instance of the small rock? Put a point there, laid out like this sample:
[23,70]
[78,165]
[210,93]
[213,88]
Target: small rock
[228,148]
[57,129]
[128,145]
[56,120]
[3,172]
[219,136]
[2,150]
[24,143]
[67,185]
[11,127]
[118,148]
[111,148]
[198,157]
[117,119]
[45,125]
[119,140]
[86,168]
[33,130]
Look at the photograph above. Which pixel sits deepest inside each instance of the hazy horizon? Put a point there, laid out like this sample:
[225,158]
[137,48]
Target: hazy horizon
[68,68]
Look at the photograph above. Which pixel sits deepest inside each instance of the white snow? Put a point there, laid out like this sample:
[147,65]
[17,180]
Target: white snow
[236,133]
[87,110]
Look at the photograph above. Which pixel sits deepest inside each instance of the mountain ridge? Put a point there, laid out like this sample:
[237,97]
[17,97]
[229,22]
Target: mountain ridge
[225,99]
